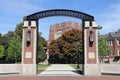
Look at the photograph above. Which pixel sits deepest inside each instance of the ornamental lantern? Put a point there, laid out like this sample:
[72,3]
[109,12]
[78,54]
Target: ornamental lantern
[91,38]
[28,38]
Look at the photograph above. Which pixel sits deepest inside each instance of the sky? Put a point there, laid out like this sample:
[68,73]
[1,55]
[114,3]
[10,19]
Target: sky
[106,13]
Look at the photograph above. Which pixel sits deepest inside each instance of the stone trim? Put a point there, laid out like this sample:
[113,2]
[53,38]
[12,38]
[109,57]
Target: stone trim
[23,45]
[85,48]
[35,44]
[97,56]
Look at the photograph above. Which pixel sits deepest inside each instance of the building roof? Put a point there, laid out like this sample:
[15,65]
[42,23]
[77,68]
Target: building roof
[116,35]
[113,35]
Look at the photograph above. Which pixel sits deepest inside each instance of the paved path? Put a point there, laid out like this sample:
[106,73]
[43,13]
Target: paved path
[60,69]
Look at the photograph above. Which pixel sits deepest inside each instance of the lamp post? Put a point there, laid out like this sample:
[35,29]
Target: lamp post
[78,44]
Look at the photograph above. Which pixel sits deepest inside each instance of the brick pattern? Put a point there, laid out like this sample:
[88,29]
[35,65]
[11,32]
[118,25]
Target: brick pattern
[59,78]
[91,48]
[116,47]
[64,26]
[29,48]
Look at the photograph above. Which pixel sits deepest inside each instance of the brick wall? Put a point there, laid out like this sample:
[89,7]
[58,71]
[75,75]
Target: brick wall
[59,78]
[63,27]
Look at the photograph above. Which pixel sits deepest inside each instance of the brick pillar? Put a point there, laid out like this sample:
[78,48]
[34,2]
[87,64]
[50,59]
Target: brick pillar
[91,63]
[29,44]
[115,45]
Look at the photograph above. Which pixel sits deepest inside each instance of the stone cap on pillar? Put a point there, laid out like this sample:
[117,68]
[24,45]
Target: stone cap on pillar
[30,24]
[89,24]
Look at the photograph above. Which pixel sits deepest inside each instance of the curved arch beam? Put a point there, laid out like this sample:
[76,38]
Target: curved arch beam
[59,12]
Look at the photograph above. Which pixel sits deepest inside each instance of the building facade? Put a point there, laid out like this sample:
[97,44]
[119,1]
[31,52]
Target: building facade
[114,43]
[56,30]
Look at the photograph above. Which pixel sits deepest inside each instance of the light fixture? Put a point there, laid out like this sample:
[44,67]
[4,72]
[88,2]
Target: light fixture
[91,38]
[28,38]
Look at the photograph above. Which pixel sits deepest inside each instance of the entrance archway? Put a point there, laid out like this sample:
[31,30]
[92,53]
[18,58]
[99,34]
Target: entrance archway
[89,36]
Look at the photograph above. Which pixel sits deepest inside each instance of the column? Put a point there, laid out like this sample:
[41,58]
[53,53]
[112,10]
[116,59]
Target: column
[91,62]
[29,46]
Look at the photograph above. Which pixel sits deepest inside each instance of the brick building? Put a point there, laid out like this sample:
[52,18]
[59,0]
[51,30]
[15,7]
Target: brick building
[56,30]
[114,42]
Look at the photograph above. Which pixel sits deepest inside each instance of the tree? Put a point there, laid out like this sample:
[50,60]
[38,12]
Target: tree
[0,39]
[72,36]
[42,47]
[7,38]
[1,47]
[12,42]
[5,42]
[1,51]
[14,48]
[103,47]
[0,35]
[64,49]
[18,30]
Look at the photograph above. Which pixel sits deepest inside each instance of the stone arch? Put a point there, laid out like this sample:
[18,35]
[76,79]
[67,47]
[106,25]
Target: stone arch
[59,12]
[90,46]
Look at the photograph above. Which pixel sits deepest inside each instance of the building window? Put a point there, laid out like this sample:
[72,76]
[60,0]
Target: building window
[110,43]
[119,41]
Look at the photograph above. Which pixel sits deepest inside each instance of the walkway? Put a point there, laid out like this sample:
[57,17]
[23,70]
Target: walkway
[60,69]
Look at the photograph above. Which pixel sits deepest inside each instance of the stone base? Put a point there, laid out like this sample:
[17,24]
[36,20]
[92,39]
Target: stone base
[92,69]
[29,69]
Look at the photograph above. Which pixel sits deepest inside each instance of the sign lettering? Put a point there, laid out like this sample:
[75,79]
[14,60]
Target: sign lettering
[49,13]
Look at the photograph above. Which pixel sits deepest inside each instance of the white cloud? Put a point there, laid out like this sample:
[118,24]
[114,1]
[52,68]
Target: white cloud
[7,26]
[4,28]
[19,6]
[110,20]
[13,11]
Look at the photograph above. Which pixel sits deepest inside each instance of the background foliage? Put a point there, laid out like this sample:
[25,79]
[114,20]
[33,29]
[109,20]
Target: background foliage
[62,50]
[11,46]
[65,49]
[103,48]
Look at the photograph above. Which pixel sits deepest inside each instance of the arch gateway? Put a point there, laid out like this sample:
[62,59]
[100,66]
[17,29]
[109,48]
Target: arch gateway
[90,40]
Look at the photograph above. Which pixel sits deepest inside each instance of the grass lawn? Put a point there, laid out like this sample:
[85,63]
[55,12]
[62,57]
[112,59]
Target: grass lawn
[80,71]
[41,68]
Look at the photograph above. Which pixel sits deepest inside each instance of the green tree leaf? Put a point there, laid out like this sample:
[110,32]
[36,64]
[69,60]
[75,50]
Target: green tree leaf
[1,51]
